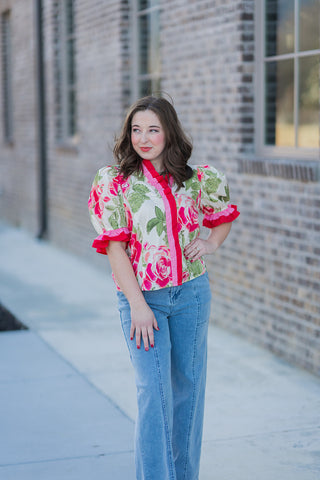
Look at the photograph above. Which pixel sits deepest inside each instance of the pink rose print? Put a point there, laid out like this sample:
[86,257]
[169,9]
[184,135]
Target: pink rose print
[207,210]
[136,249]
[198,200]
[185,276]
[129,218]
[113,188]
[188,216]
[200,175]
[160,271]
[124,184]
[179,199]
[95,201]
[94,195]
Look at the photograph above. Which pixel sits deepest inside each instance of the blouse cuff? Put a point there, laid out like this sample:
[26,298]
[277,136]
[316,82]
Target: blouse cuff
[102,241]
[226,216]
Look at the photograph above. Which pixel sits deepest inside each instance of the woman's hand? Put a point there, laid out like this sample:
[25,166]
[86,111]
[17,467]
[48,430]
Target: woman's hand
[143,322]
[198,247]
[142,318]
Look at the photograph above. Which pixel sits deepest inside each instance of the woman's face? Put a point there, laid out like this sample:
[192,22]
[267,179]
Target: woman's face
[148,137]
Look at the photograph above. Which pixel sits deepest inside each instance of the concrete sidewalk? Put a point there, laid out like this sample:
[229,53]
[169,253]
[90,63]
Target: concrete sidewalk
[67,391]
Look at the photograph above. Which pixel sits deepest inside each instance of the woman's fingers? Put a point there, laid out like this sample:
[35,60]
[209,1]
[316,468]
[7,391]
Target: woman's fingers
[132,329]
[194,250]
[151,337]
[155,324]
[138,337]
[145,338]
[142,323]
[146,333]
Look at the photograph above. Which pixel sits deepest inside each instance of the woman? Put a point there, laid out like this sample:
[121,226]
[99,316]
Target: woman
[146,211]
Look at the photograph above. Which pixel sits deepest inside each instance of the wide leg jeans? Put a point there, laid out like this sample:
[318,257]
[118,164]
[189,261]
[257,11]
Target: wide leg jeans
[170,380]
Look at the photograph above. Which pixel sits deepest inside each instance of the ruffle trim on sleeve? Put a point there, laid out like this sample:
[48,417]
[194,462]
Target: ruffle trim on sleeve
[226,216]
[102,241]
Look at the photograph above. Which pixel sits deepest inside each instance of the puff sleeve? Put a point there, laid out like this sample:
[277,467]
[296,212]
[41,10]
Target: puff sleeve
[106,209]
[215,199]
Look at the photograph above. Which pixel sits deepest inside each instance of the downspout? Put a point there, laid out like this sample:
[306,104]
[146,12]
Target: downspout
[42,133]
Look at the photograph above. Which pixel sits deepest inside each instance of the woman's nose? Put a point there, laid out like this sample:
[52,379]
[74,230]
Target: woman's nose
[144,137]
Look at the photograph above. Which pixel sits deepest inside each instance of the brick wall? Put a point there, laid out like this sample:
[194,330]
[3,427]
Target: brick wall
[100,103]
[269,277]
[18,162]
[102,91]
[266,279]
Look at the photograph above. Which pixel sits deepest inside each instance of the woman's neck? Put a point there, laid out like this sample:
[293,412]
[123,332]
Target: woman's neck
[158,166]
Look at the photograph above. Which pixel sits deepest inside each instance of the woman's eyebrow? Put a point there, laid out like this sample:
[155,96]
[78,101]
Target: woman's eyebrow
[150,126]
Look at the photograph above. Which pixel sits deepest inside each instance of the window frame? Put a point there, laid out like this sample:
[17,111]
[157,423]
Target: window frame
[137,78]
[261,148]
[7,80]
[63,135]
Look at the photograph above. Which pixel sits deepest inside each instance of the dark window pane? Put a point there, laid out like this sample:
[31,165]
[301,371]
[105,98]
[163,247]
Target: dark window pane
[64,69]
[308,131]
[309,23]
[72,112]
[145,88]
[279,98]
[69,17]
[149,87]
[144,45]
[70,61]
[279,27]
[144,4]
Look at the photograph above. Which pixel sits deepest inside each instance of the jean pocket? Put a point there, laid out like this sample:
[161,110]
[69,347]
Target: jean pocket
[123,303]
[125,318]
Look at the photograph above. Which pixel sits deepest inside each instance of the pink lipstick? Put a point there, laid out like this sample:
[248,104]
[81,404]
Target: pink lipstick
[145,149]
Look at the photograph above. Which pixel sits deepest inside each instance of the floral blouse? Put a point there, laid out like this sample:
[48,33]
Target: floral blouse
[156,220]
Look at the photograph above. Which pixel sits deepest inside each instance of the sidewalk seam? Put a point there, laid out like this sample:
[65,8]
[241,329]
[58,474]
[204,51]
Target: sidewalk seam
[61,459]
[83,376]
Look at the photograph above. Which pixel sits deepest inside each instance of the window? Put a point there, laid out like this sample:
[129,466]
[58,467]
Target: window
[64,71]
[7,78]
[288,56]
[146,69]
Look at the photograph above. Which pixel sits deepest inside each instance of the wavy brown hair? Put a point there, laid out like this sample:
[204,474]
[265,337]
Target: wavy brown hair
[178,147]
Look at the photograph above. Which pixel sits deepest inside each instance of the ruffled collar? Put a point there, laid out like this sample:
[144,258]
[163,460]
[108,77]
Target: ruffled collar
[164,180]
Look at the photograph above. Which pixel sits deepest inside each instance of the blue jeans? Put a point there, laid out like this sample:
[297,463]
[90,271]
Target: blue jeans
[170,380]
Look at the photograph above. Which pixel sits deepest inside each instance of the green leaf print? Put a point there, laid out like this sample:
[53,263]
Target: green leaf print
[136,200]
[97,178]
[159,213]
[158,221]
[226,197]
[188,183]
[193,185]
[159,228]
[151,224]
[140,188]
[114,220]
[212,184]
[110,207]
[123,219]
[191,181]
[113,170]
[195,267]
[138,196]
